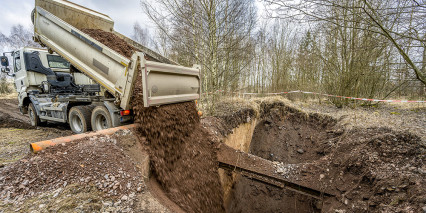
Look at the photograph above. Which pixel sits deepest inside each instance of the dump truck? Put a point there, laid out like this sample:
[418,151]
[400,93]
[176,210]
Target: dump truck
[80,81]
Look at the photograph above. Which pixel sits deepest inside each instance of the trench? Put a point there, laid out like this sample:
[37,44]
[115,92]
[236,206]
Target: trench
[279,134]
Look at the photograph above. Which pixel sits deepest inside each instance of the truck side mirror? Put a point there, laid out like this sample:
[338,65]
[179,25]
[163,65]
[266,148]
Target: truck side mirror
[4,61]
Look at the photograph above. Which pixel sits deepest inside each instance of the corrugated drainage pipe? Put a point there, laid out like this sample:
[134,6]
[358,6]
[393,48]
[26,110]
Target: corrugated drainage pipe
[38,146]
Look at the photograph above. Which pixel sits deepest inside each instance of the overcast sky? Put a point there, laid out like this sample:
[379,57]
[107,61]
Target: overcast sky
[124,13]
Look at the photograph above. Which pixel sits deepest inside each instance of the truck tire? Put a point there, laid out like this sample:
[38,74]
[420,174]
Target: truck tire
[79,119]
[32,113]
[101,119]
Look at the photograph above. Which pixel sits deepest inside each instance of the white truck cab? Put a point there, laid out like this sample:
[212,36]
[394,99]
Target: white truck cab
[26,80]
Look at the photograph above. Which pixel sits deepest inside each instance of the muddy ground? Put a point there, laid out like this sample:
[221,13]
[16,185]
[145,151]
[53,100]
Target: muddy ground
[16,132]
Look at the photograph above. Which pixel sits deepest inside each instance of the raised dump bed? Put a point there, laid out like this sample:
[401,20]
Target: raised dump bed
[58,25]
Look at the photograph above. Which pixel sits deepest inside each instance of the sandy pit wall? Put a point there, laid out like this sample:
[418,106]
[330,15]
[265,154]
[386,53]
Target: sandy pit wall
[240,140]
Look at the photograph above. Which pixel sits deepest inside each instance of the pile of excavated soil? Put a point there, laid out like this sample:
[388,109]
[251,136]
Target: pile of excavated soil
[96,162]
[7,121]
[183,156]
[112,41]
[10,117]
[368,169]
[229,114]
[376,169]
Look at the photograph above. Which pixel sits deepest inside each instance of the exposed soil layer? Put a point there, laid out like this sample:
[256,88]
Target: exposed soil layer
[112,41]
[10,117]
[7,121]
[375,169]
[285,135]
[230,114]
[183,156]
[96,162]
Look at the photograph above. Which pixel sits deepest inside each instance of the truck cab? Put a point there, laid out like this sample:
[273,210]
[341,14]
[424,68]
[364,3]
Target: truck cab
[27,80]
[49,88]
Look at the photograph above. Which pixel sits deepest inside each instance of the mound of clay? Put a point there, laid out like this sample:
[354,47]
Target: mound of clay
[183,156]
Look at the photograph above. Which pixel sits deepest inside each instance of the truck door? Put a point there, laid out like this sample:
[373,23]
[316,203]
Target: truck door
[19,71]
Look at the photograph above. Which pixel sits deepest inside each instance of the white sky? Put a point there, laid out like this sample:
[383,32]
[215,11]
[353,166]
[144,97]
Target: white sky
[124,13]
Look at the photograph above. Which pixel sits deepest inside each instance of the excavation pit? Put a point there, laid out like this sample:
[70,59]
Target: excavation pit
[366,169]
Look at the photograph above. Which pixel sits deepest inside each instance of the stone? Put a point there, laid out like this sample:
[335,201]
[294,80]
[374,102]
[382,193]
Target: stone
[112,178]
[107,203]
[25,182]
[132,195]
[124,197]
[300,151]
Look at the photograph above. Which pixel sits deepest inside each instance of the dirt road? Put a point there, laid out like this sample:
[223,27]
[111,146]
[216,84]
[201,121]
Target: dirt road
[16,132]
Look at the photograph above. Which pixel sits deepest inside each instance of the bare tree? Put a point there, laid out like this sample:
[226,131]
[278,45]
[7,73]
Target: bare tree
[141,35]
[397,21]
[213,33]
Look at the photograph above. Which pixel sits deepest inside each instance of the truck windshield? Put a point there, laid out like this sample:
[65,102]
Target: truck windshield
[57,62]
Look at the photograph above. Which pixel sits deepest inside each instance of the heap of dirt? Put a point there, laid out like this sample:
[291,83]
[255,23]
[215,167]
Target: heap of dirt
[112,41]
[10,117]
[368,169]
[228,115]
[7,121]
[183,156]
[96,162]
[376,169]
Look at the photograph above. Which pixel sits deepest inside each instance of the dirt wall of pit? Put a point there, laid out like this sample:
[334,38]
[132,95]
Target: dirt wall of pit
[240,139]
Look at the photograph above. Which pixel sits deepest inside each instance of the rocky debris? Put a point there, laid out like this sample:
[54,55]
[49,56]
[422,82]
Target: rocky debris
[90,163]
[286,170]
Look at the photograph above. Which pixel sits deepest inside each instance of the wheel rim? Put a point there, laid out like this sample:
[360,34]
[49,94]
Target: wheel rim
[101,122]
[76,123]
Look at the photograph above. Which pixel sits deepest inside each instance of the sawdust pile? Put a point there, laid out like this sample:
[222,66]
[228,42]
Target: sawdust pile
[183,156]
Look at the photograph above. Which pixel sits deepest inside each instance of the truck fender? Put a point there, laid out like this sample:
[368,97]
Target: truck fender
[36,104]
[23,102]
[114,112]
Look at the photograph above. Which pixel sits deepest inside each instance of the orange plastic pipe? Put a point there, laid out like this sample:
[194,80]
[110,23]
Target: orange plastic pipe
[38,146]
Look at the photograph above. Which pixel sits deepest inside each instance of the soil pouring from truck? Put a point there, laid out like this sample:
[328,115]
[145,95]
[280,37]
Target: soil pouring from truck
[85,83]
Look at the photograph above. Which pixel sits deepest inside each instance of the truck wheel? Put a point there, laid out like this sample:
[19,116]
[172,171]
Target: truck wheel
[101,119]
[35,120]
[79,119]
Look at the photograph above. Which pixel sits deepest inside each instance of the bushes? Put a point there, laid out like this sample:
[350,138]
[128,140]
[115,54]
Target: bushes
[4,86]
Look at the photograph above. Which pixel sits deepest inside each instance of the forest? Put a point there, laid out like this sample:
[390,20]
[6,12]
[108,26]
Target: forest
[368,49]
